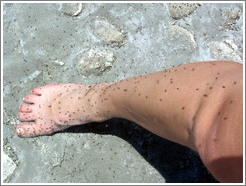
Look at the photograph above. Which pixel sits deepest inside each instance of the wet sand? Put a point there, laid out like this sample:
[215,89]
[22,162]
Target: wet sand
[96,43]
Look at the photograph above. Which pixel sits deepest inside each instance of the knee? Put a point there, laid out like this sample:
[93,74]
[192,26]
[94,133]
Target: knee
[222,161]
[227,169]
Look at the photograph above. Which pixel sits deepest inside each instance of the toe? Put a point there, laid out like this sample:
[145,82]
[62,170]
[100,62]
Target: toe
[38,91]
[26,116]
[32,129]
[25,108]
[31,98]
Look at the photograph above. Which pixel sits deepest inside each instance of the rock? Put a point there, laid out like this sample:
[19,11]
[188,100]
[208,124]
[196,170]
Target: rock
[8,166]
[109,33]
[231,44]
[95,61]
[181,37]
[181,10]
[230,17]
[224,51]
[72,9]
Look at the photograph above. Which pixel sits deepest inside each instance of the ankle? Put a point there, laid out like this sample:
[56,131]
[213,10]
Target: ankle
[104,107]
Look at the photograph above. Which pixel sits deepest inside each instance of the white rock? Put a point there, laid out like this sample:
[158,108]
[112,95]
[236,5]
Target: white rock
[72,9]
[231,44]
[224,51]
[230,17]
[95,61]
[109,33]
[181,10]
[8,166]
[182,37]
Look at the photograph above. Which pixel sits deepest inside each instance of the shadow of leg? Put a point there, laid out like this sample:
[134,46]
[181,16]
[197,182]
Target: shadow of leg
[176,163]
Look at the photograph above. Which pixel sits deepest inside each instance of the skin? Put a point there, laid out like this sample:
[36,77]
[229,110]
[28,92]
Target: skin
[198,105]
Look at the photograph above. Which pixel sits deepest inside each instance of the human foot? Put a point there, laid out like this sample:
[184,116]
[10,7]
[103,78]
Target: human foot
[53,108]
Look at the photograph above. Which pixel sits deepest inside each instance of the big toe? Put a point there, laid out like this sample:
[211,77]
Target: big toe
[40,90]
[32,129]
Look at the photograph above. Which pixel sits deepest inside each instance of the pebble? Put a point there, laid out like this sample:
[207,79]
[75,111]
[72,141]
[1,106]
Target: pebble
[59,62]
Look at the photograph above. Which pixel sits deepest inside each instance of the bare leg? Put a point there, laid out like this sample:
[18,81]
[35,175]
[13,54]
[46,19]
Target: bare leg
[198,105]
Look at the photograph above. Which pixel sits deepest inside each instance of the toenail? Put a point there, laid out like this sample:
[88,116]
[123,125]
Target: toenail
[20,131]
